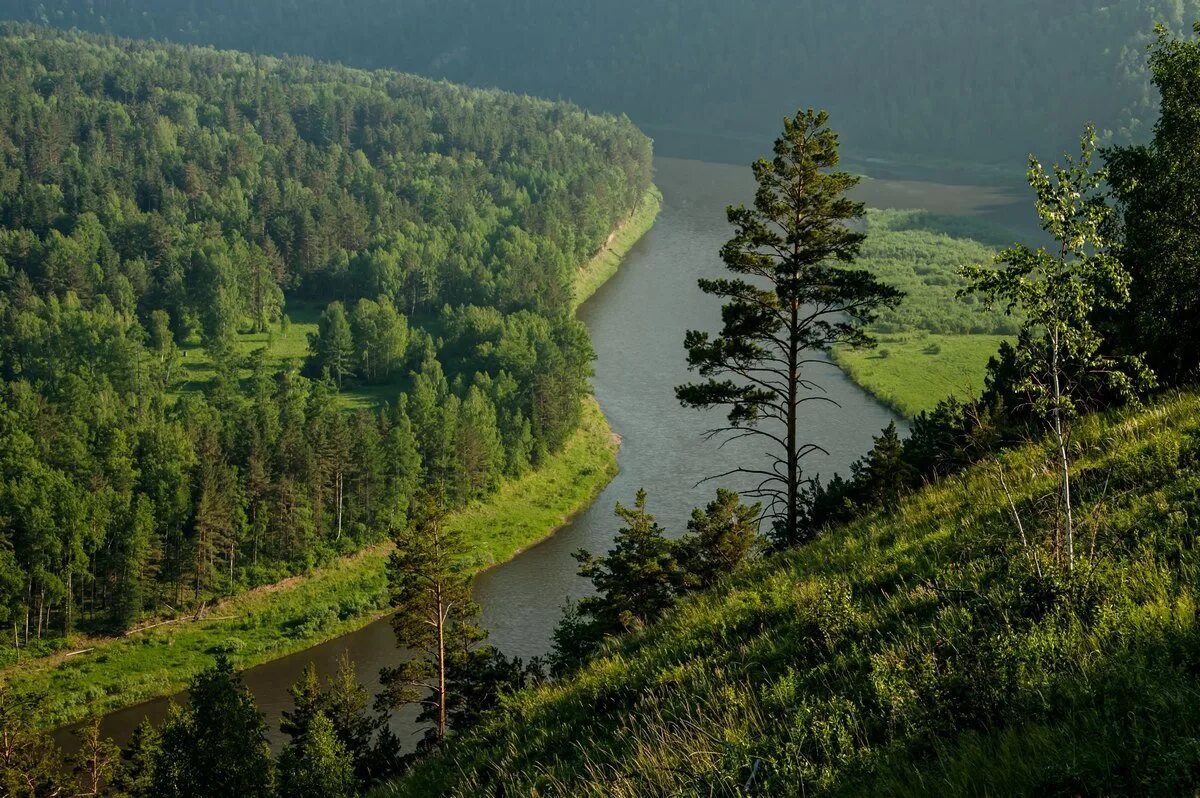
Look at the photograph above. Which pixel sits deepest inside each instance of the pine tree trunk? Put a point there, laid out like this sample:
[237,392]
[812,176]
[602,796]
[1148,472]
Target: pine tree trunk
[793,465]
[441,665]
[339,504]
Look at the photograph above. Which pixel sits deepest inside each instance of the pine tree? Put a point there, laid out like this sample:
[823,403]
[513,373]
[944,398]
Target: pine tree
[307,701]
[634,583]
[720,538]
[793,298]
[883,476]
[319,766]
[347,705]
[136,775]
[477,443]
[216,745]
[135,548]
[435,617]
[345,702]
[331,347]
[402,466]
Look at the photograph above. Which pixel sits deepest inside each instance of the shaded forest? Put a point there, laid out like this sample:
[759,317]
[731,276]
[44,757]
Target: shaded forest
[977,81]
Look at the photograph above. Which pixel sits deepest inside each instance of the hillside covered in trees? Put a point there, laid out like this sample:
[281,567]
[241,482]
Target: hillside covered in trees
[159,204]
[978,81]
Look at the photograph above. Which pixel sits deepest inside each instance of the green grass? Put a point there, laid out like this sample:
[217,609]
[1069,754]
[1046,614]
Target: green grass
[290,616]
[524,510]
[920,253]
[599,269]
[913,372]
[284,346]
[935,344]
[915,652]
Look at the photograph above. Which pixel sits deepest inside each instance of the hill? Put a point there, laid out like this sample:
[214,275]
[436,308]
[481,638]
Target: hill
[920,650]
[981,81]
[168,436]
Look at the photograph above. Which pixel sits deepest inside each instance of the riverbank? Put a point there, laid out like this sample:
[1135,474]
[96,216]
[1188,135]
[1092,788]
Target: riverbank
[93,676]
[289,616]
[602,267]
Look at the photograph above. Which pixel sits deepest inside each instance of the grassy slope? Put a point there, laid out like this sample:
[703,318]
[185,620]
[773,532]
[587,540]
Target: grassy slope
[913,372]
[910,653]
[300,612]
[920,253]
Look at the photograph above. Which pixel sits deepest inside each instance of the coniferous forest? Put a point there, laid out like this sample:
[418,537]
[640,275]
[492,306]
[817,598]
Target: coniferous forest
[291,350]
[158,201]
[975,82]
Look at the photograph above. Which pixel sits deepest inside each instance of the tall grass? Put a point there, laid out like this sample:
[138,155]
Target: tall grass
[914,652]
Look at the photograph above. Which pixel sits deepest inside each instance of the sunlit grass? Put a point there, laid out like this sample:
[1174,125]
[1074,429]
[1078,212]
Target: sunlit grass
[913,652]
[913,372]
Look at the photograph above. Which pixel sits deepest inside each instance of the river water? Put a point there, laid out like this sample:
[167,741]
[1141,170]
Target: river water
[637,322]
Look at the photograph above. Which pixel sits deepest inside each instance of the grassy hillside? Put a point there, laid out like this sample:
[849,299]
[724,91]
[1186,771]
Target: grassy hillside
[911,653]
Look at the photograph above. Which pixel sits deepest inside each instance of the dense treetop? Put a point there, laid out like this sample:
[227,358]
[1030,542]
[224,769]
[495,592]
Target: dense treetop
[158,203]
[979,80]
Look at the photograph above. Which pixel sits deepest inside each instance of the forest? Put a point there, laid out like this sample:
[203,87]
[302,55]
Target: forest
[980,81]
[162,204]
[258,312]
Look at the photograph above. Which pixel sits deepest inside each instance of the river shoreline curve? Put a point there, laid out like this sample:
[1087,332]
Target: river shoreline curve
[97,675]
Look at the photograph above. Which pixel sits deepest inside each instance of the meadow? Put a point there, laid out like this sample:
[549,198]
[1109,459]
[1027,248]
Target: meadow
[936,343]
[912,372]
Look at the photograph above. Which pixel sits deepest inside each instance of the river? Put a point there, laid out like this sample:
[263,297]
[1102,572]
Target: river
[637,321]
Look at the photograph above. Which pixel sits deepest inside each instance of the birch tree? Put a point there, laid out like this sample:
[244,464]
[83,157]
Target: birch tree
[1060,353]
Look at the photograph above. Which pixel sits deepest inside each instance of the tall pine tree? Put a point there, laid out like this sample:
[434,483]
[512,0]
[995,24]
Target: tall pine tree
[793,297]
[435,617]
